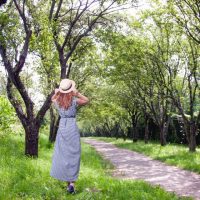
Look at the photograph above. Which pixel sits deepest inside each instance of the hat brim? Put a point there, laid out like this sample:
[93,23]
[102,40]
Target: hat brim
[72,88]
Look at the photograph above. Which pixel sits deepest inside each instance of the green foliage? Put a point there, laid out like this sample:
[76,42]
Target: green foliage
[7,116]
[11,34]
[121,70]
[149,67]
[185,13]
[47,67]
[103,108]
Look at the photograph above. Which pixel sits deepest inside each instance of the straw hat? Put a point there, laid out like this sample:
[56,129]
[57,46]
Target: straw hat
[66,86]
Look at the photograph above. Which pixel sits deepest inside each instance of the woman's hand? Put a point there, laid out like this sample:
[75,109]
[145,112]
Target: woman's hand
[56,90]
[75,92]
[82,100]
[53,98]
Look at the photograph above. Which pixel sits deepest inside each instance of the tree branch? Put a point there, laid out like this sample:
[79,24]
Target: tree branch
[51,10]
[44,108]
[58,9]
[22,15]
[24,53]
[15,103]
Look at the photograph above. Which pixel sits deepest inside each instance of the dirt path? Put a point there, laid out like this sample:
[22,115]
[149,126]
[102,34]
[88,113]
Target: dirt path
[132,165]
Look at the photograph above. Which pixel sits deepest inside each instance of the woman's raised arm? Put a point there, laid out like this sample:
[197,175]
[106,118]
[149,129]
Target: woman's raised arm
[53,98]
[81,100]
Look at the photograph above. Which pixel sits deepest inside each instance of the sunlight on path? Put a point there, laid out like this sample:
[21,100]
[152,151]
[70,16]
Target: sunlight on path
[132,165]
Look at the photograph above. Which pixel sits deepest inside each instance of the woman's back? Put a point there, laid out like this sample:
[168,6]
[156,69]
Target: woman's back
[69,112]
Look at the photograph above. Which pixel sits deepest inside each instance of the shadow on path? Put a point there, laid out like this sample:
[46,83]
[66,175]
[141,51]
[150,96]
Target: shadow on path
[131,165]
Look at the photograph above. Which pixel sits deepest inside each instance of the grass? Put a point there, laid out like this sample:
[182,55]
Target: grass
[29,179]
[173,154]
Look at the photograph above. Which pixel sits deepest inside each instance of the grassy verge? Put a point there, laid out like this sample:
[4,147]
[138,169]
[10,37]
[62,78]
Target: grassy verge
[27,178]
[172,154]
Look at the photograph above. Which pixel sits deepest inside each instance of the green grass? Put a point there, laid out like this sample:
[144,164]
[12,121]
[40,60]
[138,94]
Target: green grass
[28,178]
[172,154]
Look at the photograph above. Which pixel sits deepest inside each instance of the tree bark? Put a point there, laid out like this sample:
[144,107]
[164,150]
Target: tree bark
[192,142]
[146,135]
[134,119]
[31,139]
[31,124]
[135,133]
[116,130]
[52,134]
[163,141]
[54,128]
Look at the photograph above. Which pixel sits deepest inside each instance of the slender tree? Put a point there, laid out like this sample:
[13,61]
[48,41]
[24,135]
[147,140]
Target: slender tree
[14,66]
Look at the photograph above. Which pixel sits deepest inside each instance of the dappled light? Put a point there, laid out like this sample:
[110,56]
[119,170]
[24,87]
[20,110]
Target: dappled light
[132,165]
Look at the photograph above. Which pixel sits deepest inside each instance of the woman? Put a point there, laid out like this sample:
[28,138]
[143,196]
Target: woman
[67,148]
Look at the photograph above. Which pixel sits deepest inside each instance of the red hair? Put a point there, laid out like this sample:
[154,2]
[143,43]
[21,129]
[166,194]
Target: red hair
[64,100]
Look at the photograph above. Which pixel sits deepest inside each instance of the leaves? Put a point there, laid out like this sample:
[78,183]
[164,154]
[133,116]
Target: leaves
[7,115]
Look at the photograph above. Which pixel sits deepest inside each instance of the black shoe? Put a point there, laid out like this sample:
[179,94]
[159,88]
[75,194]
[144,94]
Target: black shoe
[70,189]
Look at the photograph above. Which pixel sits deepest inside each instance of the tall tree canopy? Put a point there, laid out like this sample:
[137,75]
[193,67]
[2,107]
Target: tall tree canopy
[62,25]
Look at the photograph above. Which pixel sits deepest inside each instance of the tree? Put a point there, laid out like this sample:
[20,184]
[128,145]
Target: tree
[14,63]
[186,13]
[72,24]
[19,26]
[185,95]
[130,64]
[176,54]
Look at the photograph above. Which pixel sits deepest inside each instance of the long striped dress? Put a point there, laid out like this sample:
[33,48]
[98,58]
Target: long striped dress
[67,148]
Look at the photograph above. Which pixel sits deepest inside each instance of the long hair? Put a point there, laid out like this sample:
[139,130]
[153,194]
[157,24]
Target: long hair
[64,100]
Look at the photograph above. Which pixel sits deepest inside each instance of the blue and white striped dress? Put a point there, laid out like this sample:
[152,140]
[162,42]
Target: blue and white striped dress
[67,148]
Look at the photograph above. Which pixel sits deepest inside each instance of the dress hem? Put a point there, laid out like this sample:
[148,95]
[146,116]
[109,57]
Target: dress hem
[74,179]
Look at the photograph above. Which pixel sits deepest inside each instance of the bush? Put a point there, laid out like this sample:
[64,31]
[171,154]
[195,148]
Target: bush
[7,115]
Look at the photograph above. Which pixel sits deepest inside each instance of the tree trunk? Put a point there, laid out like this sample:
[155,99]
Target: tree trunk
[54,123]
[135,133]
[31,124]
[116,130]
[164,131]
[163,135]
[31,139]
[134,119]
[124,137]
[192,141]
[146,135]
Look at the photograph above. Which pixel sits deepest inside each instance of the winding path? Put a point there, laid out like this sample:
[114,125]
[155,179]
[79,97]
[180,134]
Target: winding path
[131,165]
